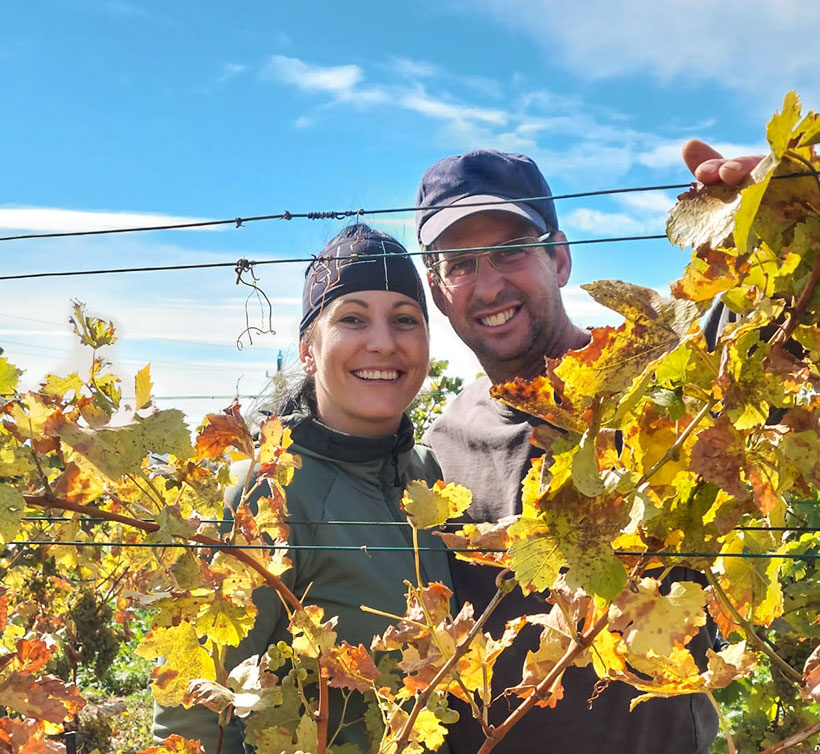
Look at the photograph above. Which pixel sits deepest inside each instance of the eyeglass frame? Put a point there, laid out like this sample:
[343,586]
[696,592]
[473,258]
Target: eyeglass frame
[433,261]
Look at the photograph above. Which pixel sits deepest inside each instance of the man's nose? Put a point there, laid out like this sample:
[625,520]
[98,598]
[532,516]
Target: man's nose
[489,282]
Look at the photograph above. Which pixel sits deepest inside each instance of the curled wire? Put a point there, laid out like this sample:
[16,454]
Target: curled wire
[245,267]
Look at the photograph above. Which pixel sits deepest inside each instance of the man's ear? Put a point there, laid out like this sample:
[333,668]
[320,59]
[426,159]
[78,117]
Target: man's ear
[561,255]
[439,299]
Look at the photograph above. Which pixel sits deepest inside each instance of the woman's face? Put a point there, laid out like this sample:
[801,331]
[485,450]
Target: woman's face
[370,350]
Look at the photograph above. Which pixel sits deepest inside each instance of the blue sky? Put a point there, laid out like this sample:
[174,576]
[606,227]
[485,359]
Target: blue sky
[131,112]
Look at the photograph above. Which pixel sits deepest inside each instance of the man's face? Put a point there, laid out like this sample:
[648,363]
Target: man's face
[509,320]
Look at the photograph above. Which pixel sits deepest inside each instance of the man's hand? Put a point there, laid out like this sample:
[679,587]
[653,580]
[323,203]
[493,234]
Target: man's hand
[709,166]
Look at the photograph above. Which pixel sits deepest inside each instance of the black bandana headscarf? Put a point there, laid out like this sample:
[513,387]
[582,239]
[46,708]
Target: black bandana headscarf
[358,259]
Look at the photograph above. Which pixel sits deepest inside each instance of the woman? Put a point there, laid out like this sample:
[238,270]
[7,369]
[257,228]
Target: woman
[364,347]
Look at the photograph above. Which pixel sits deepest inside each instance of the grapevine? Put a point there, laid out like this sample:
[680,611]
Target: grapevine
[672,451]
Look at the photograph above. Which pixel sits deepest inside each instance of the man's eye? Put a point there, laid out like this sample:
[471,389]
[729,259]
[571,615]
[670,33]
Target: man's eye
[507,256]
[457,267]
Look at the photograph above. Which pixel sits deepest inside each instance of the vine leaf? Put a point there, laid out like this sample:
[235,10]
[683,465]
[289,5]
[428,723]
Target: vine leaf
[175,744]
[77,484]
[47,697]
[27,737]
[811,677]
[223,431]
[9,376]
[312,636]
[351,667]
[117,451]
[718,455]
[185,660]
[427,507]
[142,387]
[12,508]
[652,622]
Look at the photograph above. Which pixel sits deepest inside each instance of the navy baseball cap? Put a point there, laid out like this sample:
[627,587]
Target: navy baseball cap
[483,175]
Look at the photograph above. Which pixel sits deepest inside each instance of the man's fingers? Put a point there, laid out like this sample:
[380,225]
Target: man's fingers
[709,166]
[735,171]
[698,154]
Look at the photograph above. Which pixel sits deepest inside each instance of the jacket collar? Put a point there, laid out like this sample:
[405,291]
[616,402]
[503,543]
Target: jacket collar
[312,435]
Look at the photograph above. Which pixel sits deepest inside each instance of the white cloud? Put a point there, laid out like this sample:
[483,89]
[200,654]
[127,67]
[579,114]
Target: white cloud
[436,108]
[345,84]
[763,47]
[337,80]
[56,220]
[598,223]
[584,143]
[647,201]
[229,70]
[414,69]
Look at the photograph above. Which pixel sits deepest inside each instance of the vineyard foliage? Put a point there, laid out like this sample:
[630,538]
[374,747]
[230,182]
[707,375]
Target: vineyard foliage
[669,453]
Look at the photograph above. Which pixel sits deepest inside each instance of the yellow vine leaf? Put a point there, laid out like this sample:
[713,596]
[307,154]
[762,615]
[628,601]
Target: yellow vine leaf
[12,507]
[117,451]
[9,376]
[779,131]
[427,507]
[57,386]
[175,744]
[311,636]
[142,387]
[652,622]
[92,331]
[752,584]
[185,660]
[225,622]
[47,697]
[223,431]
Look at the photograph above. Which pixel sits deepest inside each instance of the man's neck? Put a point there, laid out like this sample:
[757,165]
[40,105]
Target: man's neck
[531,368]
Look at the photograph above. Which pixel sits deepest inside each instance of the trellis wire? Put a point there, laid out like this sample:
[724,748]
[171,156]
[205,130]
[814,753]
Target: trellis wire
[342,214]
[396,548]
[96,519]
[292,260]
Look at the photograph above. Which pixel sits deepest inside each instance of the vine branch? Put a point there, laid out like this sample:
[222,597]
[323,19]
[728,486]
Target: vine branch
[44,501]
[796,738]
[786,669]
[460,651]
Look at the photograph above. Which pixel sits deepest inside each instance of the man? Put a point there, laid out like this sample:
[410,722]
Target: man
[506,306]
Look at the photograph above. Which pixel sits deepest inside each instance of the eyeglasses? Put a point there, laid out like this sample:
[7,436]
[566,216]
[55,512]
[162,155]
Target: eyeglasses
[454,270]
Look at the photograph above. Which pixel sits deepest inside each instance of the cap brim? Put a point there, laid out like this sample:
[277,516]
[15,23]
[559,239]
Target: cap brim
[471,205]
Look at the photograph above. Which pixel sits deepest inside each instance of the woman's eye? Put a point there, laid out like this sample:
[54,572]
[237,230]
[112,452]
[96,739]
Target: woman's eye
[351,319]
[407,320]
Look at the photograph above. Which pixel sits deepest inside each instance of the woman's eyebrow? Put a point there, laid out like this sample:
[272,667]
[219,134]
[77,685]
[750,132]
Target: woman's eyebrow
[359,301]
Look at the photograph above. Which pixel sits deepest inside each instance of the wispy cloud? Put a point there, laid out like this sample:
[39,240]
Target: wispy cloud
[339,81]
[599,223]
[758,47]
[229,70]
[347,84]
[57,220]
[566,136]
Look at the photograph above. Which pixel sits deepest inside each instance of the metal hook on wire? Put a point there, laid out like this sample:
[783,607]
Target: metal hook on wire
[245,267]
